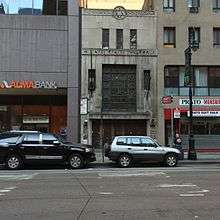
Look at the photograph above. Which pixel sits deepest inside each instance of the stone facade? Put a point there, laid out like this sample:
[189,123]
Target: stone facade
[207,55]
[94,57]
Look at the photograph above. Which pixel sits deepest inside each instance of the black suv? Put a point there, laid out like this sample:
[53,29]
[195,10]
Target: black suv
[18,148]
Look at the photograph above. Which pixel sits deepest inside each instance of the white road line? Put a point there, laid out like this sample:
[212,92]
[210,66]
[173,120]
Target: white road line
[4,190]
[191,195]
[176,185]
[17,177]
[126,174]
[199,191]
[105,193]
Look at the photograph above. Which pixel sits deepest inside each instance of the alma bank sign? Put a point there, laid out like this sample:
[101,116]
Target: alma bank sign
[27,84]
[200,102]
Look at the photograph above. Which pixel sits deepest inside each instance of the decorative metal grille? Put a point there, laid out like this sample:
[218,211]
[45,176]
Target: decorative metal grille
[119,90]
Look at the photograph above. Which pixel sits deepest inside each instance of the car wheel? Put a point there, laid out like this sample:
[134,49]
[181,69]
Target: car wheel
[76,161]
[171,160]
[14,162]
[124,160]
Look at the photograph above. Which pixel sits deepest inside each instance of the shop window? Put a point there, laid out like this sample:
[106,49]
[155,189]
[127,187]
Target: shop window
[169,37]
[133,39]
[119,39]
[169,5]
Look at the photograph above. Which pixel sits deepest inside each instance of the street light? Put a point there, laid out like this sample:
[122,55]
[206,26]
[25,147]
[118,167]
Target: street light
[188,81]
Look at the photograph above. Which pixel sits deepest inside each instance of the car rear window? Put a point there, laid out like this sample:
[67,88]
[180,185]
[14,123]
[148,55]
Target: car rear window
[9,137]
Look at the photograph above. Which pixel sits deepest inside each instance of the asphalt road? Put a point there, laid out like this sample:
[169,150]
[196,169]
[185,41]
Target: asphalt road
[182,193]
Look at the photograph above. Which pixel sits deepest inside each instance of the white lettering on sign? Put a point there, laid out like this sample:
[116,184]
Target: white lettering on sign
[199,102]
[205,114]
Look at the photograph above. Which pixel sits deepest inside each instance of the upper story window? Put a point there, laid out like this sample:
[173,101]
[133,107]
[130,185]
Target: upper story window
[133,39]
[193,6]
[169,37]
[216,37]
[169,5]
[216,5]
[194,35]
[119,39]
[34,7]
[105,38]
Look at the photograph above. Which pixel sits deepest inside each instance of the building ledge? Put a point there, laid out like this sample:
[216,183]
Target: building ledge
[121,115]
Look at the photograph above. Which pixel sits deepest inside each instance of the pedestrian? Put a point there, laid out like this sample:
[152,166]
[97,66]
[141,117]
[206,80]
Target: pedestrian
[177,142]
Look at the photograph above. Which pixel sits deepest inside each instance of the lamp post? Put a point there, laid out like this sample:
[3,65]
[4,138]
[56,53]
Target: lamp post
[188,81]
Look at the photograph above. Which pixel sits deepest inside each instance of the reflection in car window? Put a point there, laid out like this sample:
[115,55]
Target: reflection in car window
[136,141]
[31,138]
[146,141]
[48,139]
[9,138]
[121,141]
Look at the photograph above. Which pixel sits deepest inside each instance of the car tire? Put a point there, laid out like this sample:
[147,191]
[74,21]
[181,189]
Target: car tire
[124,160]
[75,161]
[14,162]
[171,160]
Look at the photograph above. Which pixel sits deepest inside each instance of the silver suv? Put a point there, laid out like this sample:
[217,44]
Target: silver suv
[128,149]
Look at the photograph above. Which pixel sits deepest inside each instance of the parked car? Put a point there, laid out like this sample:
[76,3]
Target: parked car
[18,148]
[126,150]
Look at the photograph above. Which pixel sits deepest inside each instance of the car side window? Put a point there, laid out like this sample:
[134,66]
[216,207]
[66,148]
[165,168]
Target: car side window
[31,139]
[136,141]
[121,141]
[48,139]
[146,142]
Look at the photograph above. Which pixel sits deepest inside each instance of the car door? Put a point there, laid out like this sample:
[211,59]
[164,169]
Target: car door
[30,147]
[138,152]
[152,152]
[53,150]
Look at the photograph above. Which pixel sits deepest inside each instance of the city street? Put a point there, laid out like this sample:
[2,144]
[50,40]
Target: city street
[189,191]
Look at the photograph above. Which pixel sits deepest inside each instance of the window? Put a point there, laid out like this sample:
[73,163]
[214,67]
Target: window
[193,3]
[216,37]
[194,35]
[216,5]
[214,80]
[105,38]
[133,39]
[119,39]
[135,141]
[169,5]
[121,141]
[201,81]
[9,138]
[48,139]
[31,139]
[169,37]
[147,142]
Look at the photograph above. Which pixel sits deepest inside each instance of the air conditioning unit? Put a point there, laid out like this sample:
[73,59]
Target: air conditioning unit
[194,9]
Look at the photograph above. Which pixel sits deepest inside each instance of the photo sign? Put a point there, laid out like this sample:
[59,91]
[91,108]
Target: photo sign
[200,102]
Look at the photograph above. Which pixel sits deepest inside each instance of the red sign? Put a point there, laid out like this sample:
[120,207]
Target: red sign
[167,100]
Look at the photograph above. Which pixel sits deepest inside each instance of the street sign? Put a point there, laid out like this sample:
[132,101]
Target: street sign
[167,100]
[176,113]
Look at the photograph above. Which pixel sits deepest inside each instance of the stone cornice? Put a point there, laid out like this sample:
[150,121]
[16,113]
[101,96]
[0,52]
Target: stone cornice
[124,52]
[107,12]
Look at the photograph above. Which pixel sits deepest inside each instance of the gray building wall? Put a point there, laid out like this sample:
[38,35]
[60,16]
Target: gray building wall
[44,48]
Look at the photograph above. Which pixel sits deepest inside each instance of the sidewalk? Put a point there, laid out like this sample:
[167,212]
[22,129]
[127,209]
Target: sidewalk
[201,158]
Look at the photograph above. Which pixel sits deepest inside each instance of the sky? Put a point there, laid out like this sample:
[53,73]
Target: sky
[14,5]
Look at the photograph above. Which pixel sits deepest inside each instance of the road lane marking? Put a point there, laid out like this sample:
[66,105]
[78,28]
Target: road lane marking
[176,185]
[191,195]
[199,191]
[4,190]
[127,174]
[105,193]
[17,177]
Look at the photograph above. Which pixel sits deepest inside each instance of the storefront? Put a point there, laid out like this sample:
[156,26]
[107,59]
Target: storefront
[206,122]
[33,105]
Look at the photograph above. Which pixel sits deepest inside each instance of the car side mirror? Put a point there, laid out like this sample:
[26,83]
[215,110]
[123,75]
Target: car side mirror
[57,143]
